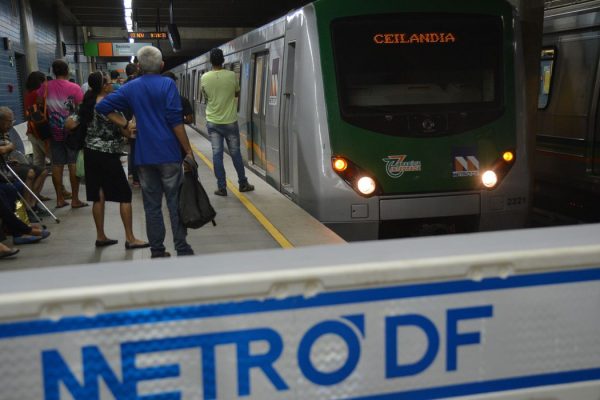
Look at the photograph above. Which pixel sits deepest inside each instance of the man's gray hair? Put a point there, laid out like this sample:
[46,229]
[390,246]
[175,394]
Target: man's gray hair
[5,112]
[150,59]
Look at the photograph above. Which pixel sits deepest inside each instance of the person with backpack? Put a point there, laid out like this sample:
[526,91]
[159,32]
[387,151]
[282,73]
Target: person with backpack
[104,175]
[38,144]
[61,98]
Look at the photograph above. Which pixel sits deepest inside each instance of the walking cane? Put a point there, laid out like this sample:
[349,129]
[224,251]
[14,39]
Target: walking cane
[29,190]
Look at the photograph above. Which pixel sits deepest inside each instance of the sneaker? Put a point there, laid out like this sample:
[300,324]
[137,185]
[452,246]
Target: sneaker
[26,239]
[221,192]
[246,187]
[160,254]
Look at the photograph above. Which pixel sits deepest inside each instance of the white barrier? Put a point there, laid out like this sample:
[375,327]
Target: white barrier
[503,315]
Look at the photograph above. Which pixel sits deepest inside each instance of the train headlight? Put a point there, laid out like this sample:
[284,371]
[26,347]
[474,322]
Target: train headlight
[340,164]
[360,180]
[366,185]
[489,179]
[508,156]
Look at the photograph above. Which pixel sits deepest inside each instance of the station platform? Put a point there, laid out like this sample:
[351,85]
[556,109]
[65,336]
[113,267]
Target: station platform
[262,219]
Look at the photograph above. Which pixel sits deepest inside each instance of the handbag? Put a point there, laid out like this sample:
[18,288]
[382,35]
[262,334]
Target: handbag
[38,117]
[195,209]
[75,139]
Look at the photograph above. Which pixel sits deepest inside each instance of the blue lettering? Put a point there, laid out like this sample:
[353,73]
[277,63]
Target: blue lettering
[313,334]
[246,361]
[56,370]
[206,344]
[392,368]
[456,339]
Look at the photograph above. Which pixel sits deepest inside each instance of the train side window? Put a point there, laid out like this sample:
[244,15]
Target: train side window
[199,88]
[546,73]
[193,86]
[236,67]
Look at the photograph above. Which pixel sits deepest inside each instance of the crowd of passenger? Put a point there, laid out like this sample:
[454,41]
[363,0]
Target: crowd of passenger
[89,126]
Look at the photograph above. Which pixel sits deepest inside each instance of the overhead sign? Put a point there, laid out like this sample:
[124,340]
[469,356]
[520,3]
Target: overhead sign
[108,49]
[127,49]
[148,35]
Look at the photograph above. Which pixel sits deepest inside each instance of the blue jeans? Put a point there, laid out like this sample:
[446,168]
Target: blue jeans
[231,133]
[155,180]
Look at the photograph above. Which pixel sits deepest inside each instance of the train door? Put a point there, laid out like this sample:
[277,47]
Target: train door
[258,128]
[192,97]
[288,139]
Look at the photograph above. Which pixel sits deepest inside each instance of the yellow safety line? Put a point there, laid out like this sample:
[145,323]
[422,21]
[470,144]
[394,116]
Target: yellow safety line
[277,235]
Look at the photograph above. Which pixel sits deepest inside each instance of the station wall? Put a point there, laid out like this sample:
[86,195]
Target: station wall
[13,62]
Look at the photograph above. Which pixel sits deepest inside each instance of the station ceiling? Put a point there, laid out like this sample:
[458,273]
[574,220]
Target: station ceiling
[187,13]
[202,24]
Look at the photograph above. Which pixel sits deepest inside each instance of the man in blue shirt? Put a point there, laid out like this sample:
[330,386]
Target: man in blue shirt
[160,136]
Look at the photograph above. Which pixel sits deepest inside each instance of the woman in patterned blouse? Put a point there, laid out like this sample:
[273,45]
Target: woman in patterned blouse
[104,175]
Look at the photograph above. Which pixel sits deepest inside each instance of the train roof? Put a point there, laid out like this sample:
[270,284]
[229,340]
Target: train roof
[575,16]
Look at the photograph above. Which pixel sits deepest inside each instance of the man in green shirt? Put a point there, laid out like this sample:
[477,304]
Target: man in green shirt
[220,88]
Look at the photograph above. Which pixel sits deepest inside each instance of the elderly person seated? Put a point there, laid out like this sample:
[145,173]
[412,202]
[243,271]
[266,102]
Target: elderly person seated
[34,177]
[9,193]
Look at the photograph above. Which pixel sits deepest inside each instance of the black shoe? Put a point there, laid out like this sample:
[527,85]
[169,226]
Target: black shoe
[221,192]
[246,187]
[160,254]
[131,246]
[8,253]
[106,242]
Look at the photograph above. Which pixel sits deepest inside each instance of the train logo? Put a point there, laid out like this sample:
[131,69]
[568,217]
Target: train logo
[395,166]
[465,166]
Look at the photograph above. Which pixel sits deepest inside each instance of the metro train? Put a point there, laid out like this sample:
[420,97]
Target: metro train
[385,118]
[567,167]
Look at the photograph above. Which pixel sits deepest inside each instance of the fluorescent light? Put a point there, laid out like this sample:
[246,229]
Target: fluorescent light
[128,14]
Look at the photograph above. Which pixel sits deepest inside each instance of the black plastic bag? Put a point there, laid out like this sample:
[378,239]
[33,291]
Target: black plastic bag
[195,209]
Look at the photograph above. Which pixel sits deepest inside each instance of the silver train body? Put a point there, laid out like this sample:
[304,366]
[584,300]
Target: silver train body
[293,134]
[568,139]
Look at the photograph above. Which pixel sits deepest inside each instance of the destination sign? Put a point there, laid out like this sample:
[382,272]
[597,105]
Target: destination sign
[414,38]
[148,35]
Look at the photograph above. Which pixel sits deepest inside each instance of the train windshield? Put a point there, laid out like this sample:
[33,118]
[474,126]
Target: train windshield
[418,63]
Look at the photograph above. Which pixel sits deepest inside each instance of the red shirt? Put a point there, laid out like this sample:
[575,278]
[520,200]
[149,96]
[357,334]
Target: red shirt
[30,98]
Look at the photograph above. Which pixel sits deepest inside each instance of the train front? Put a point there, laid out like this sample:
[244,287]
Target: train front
[422,101]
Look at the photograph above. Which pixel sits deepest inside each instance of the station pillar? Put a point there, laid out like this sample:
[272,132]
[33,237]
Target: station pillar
[28,37]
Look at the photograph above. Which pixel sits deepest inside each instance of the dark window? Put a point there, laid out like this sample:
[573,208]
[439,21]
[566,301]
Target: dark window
[395,71]
[237,69]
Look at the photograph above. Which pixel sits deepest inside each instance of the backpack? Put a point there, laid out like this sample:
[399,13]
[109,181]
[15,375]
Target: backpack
[37,117]
[195,209]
